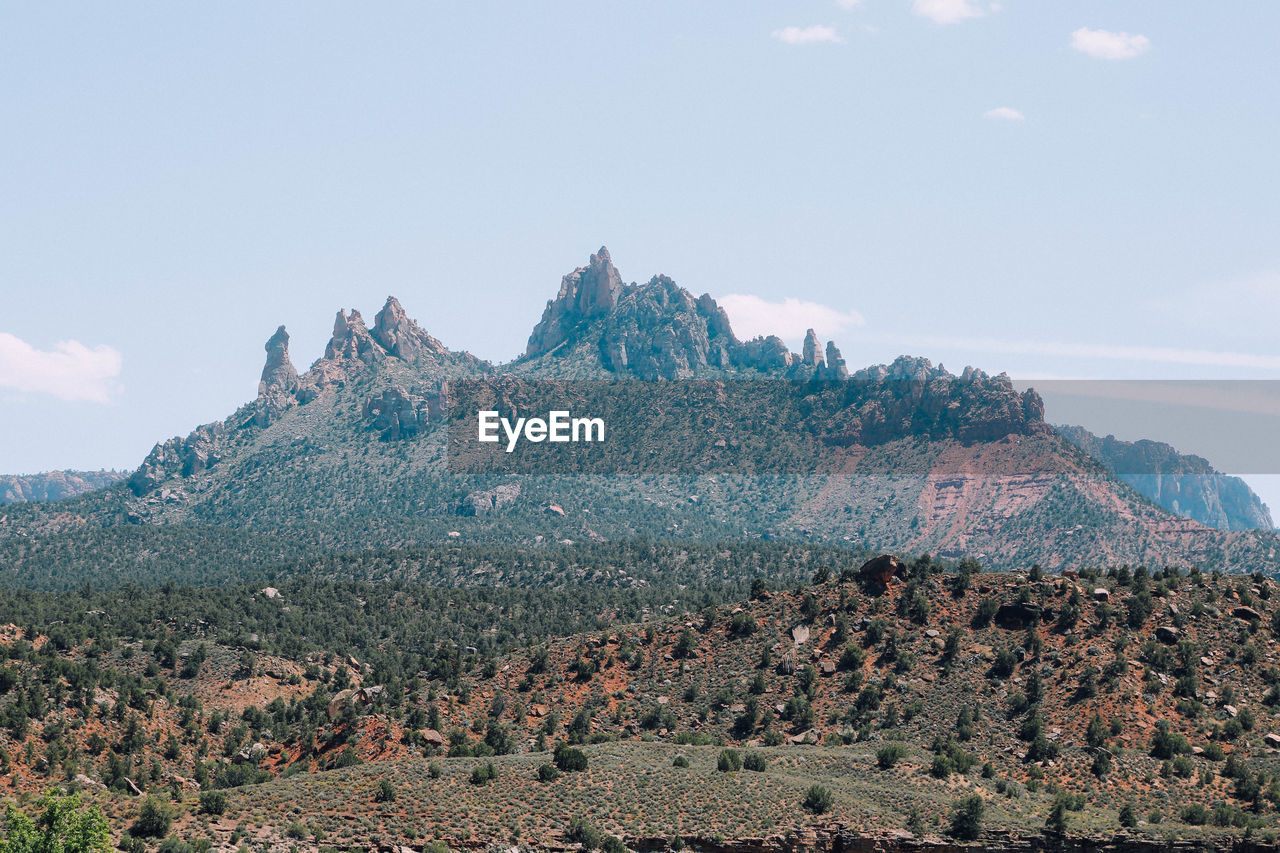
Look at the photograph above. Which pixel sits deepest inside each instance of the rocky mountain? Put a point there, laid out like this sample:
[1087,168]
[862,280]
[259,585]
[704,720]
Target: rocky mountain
[1181,483]
[657,330]
[54,485]
[353,454]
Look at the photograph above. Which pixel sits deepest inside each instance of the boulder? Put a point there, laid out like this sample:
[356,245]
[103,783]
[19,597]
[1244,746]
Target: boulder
[1246,613]
[1167,634]
[879,571]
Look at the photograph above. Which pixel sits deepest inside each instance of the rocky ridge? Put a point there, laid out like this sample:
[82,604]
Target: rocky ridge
[658,330]
[1181,483]
[54,485]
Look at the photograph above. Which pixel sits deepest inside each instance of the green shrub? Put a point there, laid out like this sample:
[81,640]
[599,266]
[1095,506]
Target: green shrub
[213,802]
[755,761]
[680,761]
[580,831]
[1195,815]
[154,819]
[386,792]
[729,761]
[889,755]
[966,818]
[817,799]
[570,759]
[548,773]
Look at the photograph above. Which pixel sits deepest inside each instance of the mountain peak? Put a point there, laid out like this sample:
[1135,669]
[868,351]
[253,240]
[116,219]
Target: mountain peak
[401,336]
[587,292]
[351,340]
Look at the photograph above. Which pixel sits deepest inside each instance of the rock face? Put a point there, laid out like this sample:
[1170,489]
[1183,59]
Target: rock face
[1181,483]
[489,501]
[181,457]
[396,414]
[54,485]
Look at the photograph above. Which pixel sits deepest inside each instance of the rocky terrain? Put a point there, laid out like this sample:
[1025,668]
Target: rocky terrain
[54,485]
[875,701]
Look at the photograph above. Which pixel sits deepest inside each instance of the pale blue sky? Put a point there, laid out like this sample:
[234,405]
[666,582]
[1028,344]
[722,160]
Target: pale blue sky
[180,179]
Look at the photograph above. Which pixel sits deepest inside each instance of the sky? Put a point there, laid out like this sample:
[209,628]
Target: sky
[1065,190]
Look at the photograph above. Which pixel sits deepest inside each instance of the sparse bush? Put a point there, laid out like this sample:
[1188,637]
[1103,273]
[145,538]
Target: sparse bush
[580,831]
[483,773]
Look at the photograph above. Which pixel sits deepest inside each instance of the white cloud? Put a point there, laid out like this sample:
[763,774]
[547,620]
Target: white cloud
[816,34]
[70,371]
[1004,114]
[848,4]
[947,11]
[1105,44]
[789,319]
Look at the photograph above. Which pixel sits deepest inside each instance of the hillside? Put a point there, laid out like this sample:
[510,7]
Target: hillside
[354,453]
[897,687]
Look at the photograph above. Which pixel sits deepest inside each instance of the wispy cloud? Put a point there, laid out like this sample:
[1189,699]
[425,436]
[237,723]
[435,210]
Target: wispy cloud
[70,371]
[1110,352]
[1004,114]
[816,34]
[947,11]
[788,319]
[848,4]
[1105,44]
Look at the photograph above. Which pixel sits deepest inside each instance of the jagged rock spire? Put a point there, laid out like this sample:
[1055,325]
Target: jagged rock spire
[352,340]
[278,374]
[836,367]
[401,336]
[586,292]
[812,354]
